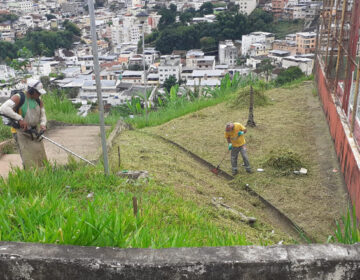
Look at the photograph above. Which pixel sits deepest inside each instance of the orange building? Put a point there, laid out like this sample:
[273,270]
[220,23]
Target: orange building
[278,7]
[305,42]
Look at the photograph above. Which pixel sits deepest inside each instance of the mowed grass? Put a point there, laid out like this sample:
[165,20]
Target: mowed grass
[195,183]
[79,205]
[294,121]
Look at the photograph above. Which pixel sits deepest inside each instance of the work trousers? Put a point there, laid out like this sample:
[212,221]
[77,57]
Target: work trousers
[234,158]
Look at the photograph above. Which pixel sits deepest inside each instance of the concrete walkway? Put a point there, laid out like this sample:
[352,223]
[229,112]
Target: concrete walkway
[82,140]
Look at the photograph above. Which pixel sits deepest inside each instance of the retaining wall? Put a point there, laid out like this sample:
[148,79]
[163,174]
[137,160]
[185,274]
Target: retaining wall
[346,149]
[39,261]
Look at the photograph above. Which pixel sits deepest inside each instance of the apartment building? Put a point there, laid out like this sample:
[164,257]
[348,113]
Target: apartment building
[228,53]
[192,57]
[22,7]
[133,77]
[246,6]
[285,45]
[305,42]
[169,66]
[278,7]
[265,38]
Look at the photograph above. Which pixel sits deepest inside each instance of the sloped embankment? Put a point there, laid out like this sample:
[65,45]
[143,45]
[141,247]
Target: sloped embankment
[293,121]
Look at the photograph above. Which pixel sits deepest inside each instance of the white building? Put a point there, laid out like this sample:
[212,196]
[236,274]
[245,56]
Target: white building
[127,29]
[192,57]
[170,65]
[133,77]
[257,49]
[246,6]
[21,6]
[88,90]
[256,37]
[228,53]
[305,64]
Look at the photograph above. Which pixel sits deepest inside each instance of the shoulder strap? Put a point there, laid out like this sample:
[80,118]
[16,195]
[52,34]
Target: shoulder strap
[38,101]
[22,100]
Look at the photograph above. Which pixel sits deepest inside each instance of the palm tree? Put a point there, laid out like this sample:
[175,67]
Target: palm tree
[251,121]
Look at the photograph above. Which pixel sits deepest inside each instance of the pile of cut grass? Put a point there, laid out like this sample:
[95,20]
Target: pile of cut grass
[283,161]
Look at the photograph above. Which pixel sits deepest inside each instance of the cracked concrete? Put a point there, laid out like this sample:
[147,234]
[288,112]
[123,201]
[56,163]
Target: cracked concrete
[43,261]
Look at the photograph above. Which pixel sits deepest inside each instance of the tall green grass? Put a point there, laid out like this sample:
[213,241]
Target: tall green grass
[80,206]
[178,106]
[4,132]
[59,108]
[347,229]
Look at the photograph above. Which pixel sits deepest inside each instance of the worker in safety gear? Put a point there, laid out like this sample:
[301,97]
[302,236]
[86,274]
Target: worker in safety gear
[28,111]
[234,134]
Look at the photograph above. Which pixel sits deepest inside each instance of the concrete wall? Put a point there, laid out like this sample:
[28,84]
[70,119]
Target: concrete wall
[346,149]
[39,261]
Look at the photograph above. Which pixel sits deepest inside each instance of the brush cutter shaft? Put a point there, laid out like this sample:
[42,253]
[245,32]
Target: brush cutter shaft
[222,159]
[66,149]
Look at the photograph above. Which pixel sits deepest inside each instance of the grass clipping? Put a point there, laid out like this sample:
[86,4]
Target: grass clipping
[283,161]
[242,98]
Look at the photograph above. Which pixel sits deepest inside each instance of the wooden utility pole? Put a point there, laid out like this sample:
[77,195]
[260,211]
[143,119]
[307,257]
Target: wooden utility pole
[251,121]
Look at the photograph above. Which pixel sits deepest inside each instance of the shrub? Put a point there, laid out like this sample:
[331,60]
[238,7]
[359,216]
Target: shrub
[288,75]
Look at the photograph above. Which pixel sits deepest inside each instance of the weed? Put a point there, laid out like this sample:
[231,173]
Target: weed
[4,132]
[347,230]
[8,148]
[53,205]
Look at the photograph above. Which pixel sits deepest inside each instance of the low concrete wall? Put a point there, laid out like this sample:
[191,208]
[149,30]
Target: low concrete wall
[39,261]
[345,146]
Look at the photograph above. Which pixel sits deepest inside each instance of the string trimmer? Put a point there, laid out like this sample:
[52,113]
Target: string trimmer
[216,169]
[39,136]
[34,134]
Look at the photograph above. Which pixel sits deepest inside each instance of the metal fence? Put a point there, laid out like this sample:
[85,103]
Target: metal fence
[338,51]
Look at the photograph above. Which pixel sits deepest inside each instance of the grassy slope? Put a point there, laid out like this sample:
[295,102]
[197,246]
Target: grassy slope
[193,182]
[282,28]
[294,120]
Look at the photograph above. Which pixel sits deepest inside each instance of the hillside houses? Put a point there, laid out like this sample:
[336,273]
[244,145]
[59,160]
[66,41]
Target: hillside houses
[119,27]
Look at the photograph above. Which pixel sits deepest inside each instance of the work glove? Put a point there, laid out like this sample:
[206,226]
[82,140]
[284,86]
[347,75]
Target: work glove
[240,133]
[230,147]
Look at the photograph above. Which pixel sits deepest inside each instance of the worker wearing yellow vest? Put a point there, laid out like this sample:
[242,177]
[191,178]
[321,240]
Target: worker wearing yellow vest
[28,110]
[234,134]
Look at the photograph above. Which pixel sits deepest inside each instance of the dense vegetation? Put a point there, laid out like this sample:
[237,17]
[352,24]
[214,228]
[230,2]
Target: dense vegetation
[41,42]
[172,35]
[8,17]
[79,205]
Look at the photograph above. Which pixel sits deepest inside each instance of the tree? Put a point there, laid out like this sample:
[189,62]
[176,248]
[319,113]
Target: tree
[186,17]
[71,27]
[207,8]
[50,16]
[251,121]
[173,8]
[8,17]
[266,67]
[170,82]
[7,51]
[167,18]
[288,75]
[207,43]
